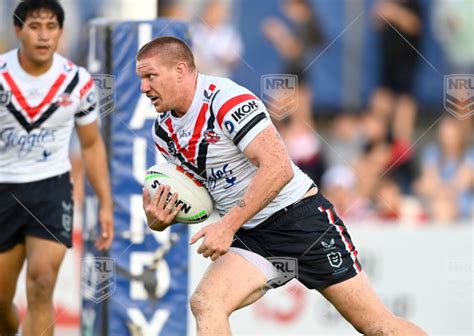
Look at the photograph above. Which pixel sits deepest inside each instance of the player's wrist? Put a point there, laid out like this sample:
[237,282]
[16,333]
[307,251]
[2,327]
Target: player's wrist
[233,220]
[106,205]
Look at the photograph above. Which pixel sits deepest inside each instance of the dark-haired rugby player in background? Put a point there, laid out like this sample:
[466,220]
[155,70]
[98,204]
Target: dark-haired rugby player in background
[42,97]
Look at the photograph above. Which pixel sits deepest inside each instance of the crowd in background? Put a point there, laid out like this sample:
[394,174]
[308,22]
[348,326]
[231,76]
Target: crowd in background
[379,163]
[368,163]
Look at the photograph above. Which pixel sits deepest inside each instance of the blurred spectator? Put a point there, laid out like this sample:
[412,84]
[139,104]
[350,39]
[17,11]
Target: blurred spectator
[453,25]
[172,9]
[295,43]
[447,180]
[339,186]
[384,153]
[370,168]
[303,147]
[392,206]
[217,45]
[345,140]
[399,24]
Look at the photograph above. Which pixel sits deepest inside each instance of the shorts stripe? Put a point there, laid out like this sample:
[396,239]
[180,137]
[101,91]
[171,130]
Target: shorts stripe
[347,244]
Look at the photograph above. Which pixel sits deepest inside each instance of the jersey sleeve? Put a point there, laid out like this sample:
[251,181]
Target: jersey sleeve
[89,100]
[241,116]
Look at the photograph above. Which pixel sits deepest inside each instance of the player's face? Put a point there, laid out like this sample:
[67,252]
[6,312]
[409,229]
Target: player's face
[39,36]
[158,83]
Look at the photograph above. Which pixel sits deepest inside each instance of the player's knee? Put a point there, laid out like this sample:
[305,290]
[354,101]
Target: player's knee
[203,305]
[199,304]
[40,287]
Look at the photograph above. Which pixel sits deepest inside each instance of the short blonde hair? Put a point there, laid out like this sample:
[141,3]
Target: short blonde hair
[171,49]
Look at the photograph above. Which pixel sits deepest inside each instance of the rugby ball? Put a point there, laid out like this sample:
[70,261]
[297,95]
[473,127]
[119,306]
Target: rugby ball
[197,203]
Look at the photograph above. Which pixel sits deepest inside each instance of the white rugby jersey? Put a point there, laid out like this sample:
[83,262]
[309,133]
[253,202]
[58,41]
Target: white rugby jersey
[209,140]
[37,116]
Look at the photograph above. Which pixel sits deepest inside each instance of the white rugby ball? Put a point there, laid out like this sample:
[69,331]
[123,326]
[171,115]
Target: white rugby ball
[197,203]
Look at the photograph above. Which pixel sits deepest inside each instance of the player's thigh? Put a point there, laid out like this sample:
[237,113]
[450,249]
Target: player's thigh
[44,258]
[229,283]
[11,262]
[356,300]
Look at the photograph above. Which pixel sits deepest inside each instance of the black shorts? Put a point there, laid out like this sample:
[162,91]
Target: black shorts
[42,209]
[307,240]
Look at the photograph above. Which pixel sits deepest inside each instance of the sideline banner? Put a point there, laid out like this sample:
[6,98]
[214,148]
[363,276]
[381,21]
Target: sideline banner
[141,287]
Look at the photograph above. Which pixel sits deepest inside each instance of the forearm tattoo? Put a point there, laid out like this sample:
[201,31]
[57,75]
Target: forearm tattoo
[241,204]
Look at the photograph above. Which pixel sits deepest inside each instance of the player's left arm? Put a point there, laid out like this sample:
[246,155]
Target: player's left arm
[95,160]
[274,171]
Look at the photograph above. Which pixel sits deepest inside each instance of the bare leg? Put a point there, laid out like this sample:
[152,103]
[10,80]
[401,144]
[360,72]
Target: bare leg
[44,258]
[357,302]
[230,283]
[11,263]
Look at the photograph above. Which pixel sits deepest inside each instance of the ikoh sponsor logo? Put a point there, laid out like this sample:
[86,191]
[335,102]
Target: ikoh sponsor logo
[459,95]
[280,94]
[244,111]
[25,142]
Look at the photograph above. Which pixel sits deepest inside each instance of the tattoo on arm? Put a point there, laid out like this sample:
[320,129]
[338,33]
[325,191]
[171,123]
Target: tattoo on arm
[268,199]
[241,204]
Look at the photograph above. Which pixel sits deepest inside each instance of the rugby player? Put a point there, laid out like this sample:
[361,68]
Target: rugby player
[221,133]
[42,97]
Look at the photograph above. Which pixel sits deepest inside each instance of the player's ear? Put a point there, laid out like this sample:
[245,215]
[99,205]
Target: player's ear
[181,69]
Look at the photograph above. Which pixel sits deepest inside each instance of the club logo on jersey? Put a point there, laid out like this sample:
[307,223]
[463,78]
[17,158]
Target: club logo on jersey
[211,137]
[459,95]
[5,97]
[335,259]
[64,100]
[105,85]
[25,143]
[244,111]
[221,173]
[280,94]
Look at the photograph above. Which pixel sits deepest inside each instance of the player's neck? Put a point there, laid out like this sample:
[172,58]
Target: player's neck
[188,98]
[33,68]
